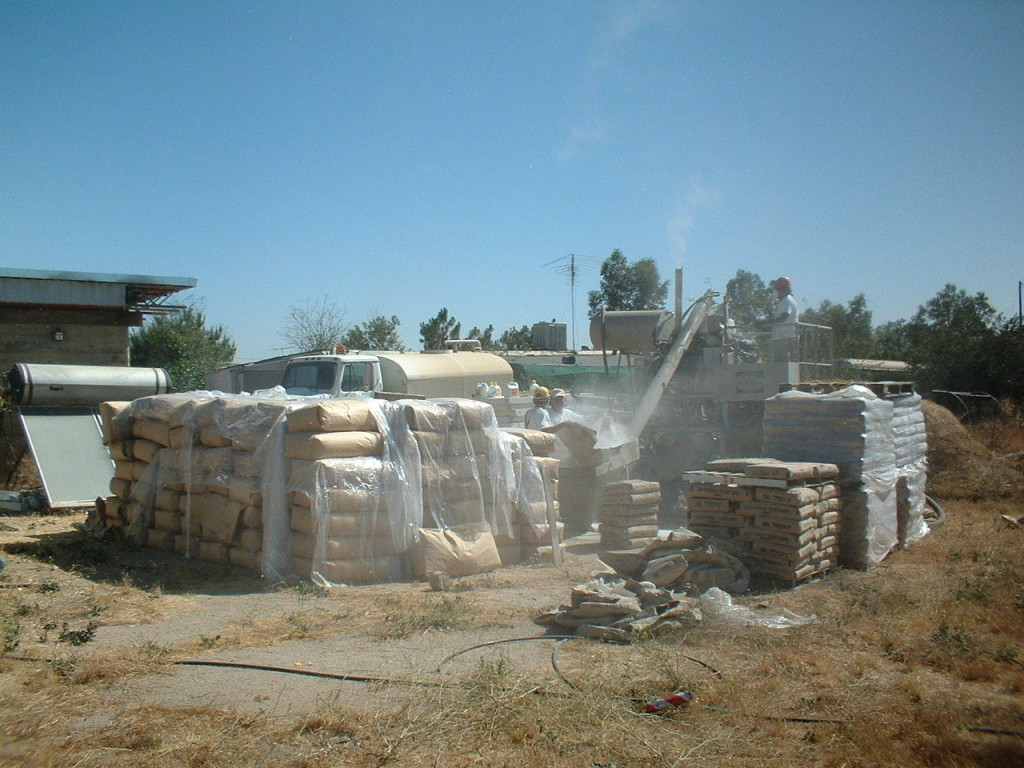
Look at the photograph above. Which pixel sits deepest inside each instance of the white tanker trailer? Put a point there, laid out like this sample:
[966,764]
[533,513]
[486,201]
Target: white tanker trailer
[435,373]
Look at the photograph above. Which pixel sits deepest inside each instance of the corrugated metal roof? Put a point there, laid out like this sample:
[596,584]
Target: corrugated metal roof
[56,287]
[177,283]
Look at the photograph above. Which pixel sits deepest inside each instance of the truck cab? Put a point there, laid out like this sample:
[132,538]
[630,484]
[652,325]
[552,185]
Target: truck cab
[333,375]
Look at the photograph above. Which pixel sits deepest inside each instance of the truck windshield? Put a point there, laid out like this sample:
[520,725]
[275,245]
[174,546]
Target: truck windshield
[312,378]
[358,377]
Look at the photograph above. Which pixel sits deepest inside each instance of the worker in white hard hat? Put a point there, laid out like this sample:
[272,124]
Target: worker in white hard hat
[558,411]
[783,322]
[538,416]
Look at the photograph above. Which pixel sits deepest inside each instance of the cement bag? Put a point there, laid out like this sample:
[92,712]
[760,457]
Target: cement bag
[446,551]
[540,443]
[116,420]
[469,414]
[333,445]
[423,416]
[149,429]
[337,525]
[357,415]
[374,570]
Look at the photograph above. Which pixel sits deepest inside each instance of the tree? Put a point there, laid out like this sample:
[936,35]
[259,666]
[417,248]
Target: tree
[626,286]
[436,331]
[949,338]
[314,326]
[485,337]
[378,332]
[181,343]
[516,338]
[891,340]
[851,326]
[1004,360]
[748,298]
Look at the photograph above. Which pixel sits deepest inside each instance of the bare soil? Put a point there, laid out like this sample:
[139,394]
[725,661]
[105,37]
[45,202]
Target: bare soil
[918,662]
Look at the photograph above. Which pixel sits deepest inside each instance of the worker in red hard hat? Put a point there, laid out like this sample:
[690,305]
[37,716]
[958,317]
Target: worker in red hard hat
[783,322]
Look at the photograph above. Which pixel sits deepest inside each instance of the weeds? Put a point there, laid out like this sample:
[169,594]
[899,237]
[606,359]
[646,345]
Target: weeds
[10,632]
[77,636]
[446,614]
[65,666]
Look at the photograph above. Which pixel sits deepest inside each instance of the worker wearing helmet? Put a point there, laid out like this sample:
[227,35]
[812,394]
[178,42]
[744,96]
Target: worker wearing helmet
[784,320]
[559,412]
[539,417]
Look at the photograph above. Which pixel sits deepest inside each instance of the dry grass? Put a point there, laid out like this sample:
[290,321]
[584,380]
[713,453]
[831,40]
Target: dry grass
[917,663]
[901,664]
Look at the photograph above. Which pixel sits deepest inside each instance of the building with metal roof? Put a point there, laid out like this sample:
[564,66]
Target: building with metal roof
[77,318]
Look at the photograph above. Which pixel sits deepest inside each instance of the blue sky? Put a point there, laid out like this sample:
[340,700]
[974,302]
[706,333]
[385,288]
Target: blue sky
[401,157]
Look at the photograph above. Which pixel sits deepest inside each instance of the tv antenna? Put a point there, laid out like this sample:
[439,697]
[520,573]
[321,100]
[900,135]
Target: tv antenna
[570,266]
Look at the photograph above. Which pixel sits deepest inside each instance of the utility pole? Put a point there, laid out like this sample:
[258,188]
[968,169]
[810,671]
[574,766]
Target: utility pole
[1020,302]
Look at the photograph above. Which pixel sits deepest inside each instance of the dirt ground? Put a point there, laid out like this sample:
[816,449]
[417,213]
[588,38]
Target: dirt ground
[113,656]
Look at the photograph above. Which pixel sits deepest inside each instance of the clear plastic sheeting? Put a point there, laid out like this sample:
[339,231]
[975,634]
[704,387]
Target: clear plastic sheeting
[854,429]
[334,490]
[717,605]
[911,446]
[207,477]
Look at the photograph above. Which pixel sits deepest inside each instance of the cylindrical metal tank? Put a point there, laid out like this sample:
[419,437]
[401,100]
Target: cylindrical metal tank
[441,374]
[31,384]
[635,331]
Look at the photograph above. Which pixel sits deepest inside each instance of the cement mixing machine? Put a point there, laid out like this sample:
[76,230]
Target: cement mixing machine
[702,381]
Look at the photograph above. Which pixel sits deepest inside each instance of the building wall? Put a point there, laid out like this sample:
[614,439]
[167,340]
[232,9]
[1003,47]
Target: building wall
[82,345]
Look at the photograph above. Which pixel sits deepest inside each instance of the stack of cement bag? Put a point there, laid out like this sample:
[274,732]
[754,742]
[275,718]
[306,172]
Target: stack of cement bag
[189,479]
[341,530]
[609,607]
[853,429]
[628,515]
[650,588]
[335,490]
[458,445]
[116,427]
[911,447]
[781,518]
[535,497]
[682,561]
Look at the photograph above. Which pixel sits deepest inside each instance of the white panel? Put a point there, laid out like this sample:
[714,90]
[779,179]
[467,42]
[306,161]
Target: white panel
[68,449]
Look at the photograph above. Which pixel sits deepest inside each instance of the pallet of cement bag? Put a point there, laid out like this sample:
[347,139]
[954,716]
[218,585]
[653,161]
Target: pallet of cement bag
[791,575]
[631,536]
[630,488]
[724,520]
[735,466]
[797,496]
[712,505]
[641,517]
[793,471]
[727,491]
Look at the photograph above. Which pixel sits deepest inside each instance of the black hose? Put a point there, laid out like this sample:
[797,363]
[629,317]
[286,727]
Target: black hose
[940,513]
[307,673]
[446,659]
